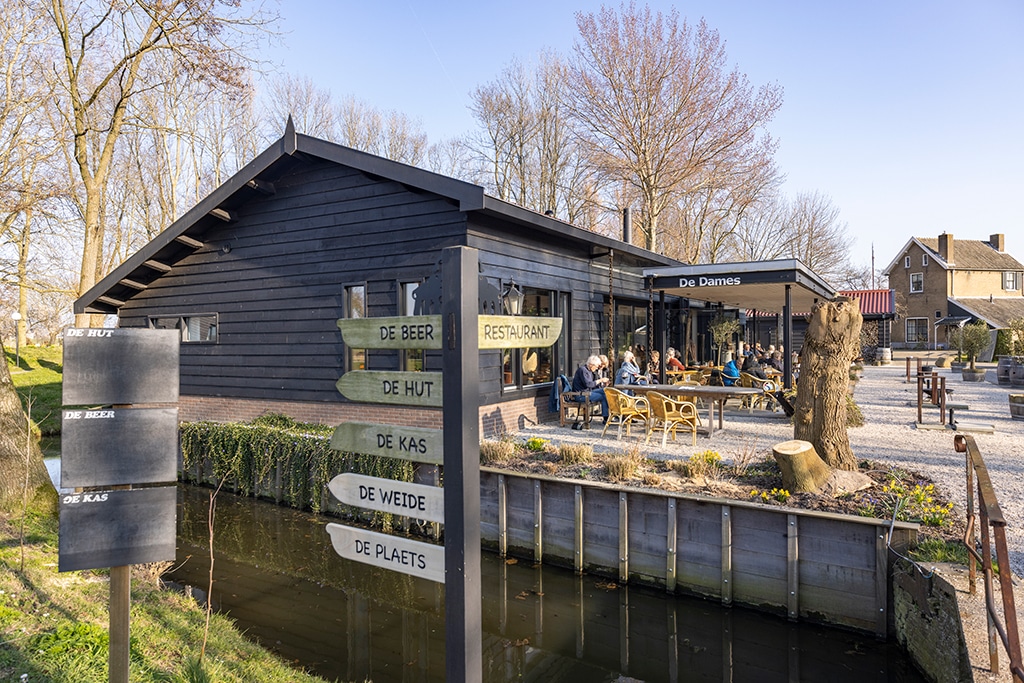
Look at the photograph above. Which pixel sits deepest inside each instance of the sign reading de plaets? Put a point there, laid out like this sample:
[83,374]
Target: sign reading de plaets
[404,555]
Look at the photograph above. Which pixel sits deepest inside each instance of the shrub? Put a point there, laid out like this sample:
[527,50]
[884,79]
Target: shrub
[625,465]
[854,416]
[536,444]
[704,464]
[496,451]
[576,453]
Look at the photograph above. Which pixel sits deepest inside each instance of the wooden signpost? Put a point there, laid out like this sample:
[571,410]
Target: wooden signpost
[388,552]
[387,495]
[416,444]
[459,332]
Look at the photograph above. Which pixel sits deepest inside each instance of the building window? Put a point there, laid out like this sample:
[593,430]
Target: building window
[1011,281]
[527,367]
[194,328]
[924,259]
[355,307]
[906,261]
[916,283]
[409,359]
[917,330]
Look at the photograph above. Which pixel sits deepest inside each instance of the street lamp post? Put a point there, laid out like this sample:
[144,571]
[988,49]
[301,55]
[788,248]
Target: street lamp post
[16,317]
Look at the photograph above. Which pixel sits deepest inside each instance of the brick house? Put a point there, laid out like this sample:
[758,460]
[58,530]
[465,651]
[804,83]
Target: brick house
[941,281]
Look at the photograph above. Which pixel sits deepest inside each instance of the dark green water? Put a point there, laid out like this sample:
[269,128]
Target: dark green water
[277,575]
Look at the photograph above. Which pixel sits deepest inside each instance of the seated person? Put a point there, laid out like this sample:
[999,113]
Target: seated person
[586,379]
[629,371]
[671,361]
[730,373]
[604,372]
[654,366]
[775,361]
[752,367]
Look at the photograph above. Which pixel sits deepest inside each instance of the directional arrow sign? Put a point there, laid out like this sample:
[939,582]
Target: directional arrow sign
[388,552]
[402,332]
[416,444]
[400,388]
[518,332]
[397,497]
[424,332]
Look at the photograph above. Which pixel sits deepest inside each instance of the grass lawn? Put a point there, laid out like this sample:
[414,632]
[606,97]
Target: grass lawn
[38,381]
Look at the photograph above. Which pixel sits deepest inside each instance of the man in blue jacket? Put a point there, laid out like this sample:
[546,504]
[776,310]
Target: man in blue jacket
[586,379]
[730,373]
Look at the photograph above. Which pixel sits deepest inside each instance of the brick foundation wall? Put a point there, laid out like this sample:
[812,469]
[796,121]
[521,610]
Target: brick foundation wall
[494,419]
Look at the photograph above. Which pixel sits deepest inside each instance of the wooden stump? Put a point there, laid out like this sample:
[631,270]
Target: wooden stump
[802,469]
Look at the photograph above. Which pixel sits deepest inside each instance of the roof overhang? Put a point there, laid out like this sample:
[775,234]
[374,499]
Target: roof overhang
[757,285]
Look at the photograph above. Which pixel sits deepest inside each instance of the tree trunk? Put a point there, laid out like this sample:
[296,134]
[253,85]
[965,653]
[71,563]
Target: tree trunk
[21,461]
[831,343]
[802,469]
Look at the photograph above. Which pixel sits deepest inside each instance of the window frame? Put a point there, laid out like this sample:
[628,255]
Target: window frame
[924,260]
[183,325]
[1012,278]
[407,358]
[920,289]
[917,324]
[513,377]
[351,354]
[906,261]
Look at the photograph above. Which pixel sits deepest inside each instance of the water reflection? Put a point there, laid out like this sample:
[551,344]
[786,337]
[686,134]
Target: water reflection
[278,577]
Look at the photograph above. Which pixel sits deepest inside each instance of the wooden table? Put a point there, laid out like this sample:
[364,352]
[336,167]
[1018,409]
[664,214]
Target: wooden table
[713,395]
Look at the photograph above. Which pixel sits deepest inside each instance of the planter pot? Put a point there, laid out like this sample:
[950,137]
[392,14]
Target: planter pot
[957,365]
[1017,406]
[969,375]
[1016,373]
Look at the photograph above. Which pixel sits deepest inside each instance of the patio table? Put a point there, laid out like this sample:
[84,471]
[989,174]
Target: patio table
[713,394]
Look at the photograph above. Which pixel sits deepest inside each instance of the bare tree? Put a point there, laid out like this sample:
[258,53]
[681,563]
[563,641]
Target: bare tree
[113,53]
[311,107]
[658,108]
[816,236]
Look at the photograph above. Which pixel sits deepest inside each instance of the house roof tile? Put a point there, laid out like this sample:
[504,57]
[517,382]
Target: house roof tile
[974,255]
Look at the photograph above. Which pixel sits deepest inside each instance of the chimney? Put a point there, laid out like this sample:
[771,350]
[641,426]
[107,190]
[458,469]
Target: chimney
[627,227]
[946,247]
[997,242]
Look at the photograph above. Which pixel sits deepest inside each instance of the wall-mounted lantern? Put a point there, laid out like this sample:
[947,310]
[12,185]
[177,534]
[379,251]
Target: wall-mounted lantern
[512,299]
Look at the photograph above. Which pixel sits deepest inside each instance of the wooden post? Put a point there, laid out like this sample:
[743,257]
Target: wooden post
[120,607]
[461,417]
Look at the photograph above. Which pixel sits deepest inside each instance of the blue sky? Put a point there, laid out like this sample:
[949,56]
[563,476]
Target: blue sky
[907,114]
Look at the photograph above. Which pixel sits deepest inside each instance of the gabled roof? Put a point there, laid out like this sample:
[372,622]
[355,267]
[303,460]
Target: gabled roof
[996,311]
[973,255]
[185,235]
[967,255]
[874,302]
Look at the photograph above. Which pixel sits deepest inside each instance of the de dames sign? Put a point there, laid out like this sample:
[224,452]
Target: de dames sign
[704,281]
[388,552]
[386,495]
[116,528]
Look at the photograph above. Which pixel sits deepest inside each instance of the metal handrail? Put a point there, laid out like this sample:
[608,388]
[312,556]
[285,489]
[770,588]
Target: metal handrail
[991,516]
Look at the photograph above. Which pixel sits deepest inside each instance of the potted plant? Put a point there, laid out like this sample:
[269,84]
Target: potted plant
[722,329]
[974,338]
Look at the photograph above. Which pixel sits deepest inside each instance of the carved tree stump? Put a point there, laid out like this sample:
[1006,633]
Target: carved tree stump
[831,342]
[802,469]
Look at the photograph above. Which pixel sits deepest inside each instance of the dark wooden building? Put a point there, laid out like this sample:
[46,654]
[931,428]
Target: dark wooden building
[257,275]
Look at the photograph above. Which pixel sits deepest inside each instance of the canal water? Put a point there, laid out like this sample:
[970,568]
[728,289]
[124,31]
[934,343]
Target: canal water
[277,576]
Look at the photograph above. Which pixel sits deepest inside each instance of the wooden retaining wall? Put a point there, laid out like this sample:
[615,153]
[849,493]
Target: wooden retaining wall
[803,564]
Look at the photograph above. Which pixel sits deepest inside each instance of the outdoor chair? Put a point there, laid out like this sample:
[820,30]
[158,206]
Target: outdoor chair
[767,386]
[668,415]
[624,409]
[695,400]
[575,404]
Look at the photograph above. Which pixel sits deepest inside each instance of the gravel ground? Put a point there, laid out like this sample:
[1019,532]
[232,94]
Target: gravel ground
[890,435]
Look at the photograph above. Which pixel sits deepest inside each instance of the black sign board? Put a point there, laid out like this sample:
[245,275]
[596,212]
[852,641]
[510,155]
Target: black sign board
[120,366]
[117,528]
[118,446]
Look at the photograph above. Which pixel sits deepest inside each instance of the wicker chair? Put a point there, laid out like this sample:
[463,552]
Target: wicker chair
[624,409]
[767,387]
[668,415]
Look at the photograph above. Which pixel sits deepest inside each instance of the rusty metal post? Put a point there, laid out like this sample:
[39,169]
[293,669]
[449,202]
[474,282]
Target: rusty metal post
[920,399]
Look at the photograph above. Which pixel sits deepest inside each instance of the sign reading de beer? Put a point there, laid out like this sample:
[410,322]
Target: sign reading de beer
[416,444]
[120,366]
[386,495]
[388,552]
[424,332]
[118,446]
[401,388]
